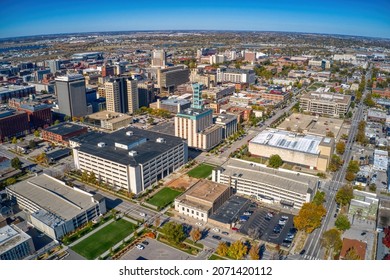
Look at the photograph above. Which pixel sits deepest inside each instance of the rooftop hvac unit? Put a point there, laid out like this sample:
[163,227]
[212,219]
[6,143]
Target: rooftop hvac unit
[129,133]
[133,153]
[101,144]
[160,140]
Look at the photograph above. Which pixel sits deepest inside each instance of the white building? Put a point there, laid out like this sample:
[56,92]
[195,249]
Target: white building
[274,186]
[130,159]
[15,244]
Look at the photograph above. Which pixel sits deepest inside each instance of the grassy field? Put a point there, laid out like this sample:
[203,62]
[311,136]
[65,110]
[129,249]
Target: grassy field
[201,171]
[104,239]
[215,257]
[163,197]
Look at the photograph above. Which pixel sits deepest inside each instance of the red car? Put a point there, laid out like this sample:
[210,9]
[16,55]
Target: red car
[234,228]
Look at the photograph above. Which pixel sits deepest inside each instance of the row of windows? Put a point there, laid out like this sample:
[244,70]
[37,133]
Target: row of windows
[192,212]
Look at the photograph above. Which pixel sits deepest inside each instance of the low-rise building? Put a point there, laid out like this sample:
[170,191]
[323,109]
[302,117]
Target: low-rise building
[111,120]
[276,95]
[61,133]
[310,151]
[173,105]
[381,160]
[14,91]
[281,187]
[202,199]
[331,104]
[13,124]
[228,122]
[53,207]
[14,243]
[375,115]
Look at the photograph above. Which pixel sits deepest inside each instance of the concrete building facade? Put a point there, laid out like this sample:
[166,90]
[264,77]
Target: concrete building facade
[15,244]
[331,104]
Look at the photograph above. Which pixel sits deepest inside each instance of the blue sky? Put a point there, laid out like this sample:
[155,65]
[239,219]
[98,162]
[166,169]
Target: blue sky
[350,17]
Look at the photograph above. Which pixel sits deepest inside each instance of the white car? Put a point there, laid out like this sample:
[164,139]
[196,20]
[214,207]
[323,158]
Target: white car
[140,247]
[284,217]
[142,214]
[215,229]
[199,224]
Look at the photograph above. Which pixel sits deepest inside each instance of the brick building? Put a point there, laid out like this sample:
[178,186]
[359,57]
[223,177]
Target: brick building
[62,132]
[13,123]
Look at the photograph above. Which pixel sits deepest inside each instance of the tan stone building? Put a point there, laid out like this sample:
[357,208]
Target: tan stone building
[331,104]
[202,199]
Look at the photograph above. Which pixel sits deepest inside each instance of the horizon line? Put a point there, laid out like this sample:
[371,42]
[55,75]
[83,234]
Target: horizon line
[190,30]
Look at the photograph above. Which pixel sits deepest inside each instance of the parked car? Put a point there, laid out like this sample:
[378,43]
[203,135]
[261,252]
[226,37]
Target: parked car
[140,247]
[302,252]
[145,242]
[225,233]
[234,228]
[282,222]
[217,237]
[247,213]
[215,229]
[284,217]
[142,214]
[199,224]
[277,229]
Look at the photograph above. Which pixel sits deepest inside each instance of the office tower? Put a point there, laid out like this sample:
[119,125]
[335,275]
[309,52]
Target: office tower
[71,95]
[158,58]
[54,65]
[169,78]
[145,94]
[132,96]
[121,95]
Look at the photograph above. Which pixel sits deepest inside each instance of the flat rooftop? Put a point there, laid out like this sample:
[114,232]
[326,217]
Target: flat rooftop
[118,145]
[64,128]
[290,141]
[10,237]
[105,115]
[313,125]
[327,97]
[206,190]
[230,210]
[9,88]
[225,118]
[285,179]
[54,196]
[175,101]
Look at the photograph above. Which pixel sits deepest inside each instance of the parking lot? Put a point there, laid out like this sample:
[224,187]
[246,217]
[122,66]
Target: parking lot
[260,226]
[156,250]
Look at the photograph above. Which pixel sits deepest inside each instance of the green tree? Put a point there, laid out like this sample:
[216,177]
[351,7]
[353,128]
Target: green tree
[57,122]
[174,232]
[37,133]
[309,217]
[32,144]
[195,234]
[275,161]
[67,118]
[368,101]
[340,147]
[150,120]
[222,249]
[331,240]
[237,250]
[92,178]
[353,166]
[329,134]
[16,163]
[344,195]
[344,136]
[335,163]
[342,223]
[10,181]
[14,140]
[350,176]
[84,176]
[319,198]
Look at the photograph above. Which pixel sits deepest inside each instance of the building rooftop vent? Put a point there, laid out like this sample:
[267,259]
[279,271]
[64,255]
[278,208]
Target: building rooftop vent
[160,140]
[129,133]
[101,144]
[133,153]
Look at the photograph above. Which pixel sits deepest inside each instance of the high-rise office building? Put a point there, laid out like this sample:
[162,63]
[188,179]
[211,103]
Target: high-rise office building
[196,124]
[169,78]
[158,58]
[54,65]
[132,96]
[121,95]
[71,95]
[145,94]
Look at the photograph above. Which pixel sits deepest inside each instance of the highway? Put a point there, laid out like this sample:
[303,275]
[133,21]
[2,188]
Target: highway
[313,243]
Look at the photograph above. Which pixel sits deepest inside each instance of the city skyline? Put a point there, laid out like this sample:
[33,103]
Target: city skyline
[356,18]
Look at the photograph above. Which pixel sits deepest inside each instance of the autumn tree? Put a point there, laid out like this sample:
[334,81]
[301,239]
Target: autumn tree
[352,254]
[335,163]
[92,177]
[309,217]
[331,240]
[84,176]
[37,133]
[195,234]
[353,166]
[222,249]
[350,176]
[275,161]
[329,134]
[342,223]
[340,147]
[174,232]
[10,181]
[254,252]
[14,140]
[344,195]
[386,238]
[237,250]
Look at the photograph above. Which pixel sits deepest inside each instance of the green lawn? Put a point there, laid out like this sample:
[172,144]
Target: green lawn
[163,197]
[215,257]
[201,171]
[104,239]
